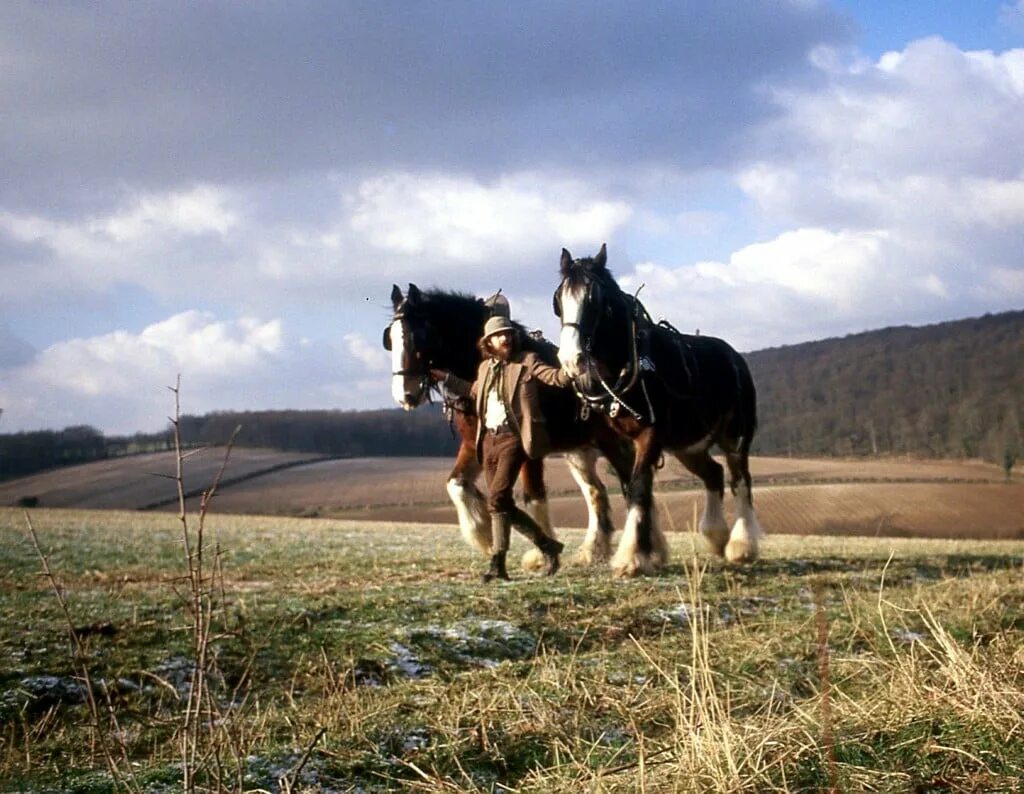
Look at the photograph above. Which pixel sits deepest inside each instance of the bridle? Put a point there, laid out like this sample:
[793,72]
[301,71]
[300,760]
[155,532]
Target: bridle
[610,398]
[422,372]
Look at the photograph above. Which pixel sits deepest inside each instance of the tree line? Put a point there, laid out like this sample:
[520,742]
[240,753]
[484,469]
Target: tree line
[954,389]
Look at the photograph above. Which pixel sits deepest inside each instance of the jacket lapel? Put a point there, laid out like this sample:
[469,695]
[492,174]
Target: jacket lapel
[513,372]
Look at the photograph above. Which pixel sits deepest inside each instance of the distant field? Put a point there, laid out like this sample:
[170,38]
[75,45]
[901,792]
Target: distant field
[136,481]
[794,496]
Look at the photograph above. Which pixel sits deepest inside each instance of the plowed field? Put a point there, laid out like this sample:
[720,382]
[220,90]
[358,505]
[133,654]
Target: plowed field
[902,498]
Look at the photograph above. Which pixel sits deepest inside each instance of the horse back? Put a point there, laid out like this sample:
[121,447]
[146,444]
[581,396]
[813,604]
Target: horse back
[707,370]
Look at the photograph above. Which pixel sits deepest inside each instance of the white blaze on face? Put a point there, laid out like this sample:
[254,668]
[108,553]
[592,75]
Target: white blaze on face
[397,352]
[569,349]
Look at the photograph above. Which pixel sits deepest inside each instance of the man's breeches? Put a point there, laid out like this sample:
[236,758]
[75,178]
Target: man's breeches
[503,457]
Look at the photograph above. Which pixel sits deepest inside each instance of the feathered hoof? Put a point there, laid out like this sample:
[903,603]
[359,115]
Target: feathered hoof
[741,550]
[533,560]
[593,554]
[637,565]
[743,541]
[717,540]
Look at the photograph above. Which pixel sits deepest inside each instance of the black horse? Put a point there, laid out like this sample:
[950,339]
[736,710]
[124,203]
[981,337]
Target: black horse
[435,329]
[665,391]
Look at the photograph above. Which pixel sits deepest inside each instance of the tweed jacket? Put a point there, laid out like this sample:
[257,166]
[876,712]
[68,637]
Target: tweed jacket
[521,396]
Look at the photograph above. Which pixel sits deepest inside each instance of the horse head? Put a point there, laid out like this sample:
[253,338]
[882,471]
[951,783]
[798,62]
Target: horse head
[584,302]
[406,337]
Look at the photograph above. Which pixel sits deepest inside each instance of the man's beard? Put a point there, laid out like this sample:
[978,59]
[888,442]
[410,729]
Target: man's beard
[503,353]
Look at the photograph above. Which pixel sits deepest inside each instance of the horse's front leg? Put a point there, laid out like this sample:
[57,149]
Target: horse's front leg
[535,501]
[643,548]
[597,545]
[470,505]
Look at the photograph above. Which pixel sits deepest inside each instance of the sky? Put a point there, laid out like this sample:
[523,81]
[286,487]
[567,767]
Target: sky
[227,190]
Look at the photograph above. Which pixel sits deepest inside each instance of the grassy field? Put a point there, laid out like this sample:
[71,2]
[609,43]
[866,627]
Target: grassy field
[359,657]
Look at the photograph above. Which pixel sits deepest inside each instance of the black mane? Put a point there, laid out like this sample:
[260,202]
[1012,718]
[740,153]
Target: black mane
[452,322]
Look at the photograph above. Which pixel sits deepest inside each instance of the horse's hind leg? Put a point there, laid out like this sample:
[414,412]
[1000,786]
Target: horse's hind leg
[597,545]
[535,500]
[713,525]
[470,505]
[744,539]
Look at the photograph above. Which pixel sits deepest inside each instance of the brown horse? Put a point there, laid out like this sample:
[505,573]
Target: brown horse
[434,329]
[665,391]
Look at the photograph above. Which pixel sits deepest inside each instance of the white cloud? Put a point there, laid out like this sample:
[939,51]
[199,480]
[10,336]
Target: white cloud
[117,381]
[796,286]
[912,164]
[191,342]
[373,356]
[461,220]
[201,210]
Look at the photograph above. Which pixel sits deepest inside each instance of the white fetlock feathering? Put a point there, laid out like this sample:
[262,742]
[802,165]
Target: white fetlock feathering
[583,467]
[628,559]
[713,525]
[744,540]
[474,520]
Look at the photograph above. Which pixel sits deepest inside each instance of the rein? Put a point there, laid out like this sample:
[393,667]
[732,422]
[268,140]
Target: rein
[611,401]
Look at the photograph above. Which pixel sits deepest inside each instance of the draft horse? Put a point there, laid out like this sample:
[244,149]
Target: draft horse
[435,329]
[666,391]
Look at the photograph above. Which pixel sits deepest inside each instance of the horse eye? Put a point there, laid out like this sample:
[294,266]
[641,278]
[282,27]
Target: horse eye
[556,304]
[387,338]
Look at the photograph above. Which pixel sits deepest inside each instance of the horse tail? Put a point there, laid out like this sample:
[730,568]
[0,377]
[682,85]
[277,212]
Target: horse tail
[746,419]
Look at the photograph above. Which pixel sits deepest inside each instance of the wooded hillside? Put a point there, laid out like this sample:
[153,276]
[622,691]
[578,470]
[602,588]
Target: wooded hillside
[954,389]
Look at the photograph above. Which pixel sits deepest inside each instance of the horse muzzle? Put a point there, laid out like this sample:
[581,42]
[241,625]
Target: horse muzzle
[409,391]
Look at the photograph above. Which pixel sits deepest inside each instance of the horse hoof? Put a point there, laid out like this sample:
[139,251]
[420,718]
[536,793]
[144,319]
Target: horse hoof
[717,540]
[640,565]
[533,560]
[625,571]
[740,551]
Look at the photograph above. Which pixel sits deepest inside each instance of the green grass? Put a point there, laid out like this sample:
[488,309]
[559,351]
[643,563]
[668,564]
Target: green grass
[378,642]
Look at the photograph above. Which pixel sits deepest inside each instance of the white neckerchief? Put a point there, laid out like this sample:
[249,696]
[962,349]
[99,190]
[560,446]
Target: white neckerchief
[494,407]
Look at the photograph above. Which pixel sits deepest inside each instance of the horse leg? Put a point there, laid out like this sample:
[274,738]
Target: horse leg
[470,505]
[746,532]
[535,500]
[713,525]
[597,545]
[643,548]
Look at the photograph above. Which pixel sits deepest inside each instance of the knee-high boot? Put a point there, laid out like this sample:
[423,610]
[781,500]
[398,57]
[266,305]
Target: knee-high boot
[501,534]
[549,547]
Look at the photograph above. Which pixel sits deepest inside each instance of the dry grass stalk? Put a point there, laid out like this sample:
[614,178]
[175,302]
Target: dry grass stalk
[824,674]
[206,731]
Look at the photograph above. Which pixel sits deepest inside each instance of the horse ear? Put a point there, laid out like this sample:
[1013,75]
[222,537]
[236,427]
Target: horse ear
[601,260]
[566,262]
[396,297]
[413,294]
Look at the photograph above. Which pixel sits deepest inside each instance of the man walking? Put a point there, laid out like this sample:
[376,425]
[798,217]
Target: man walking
[511,428]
